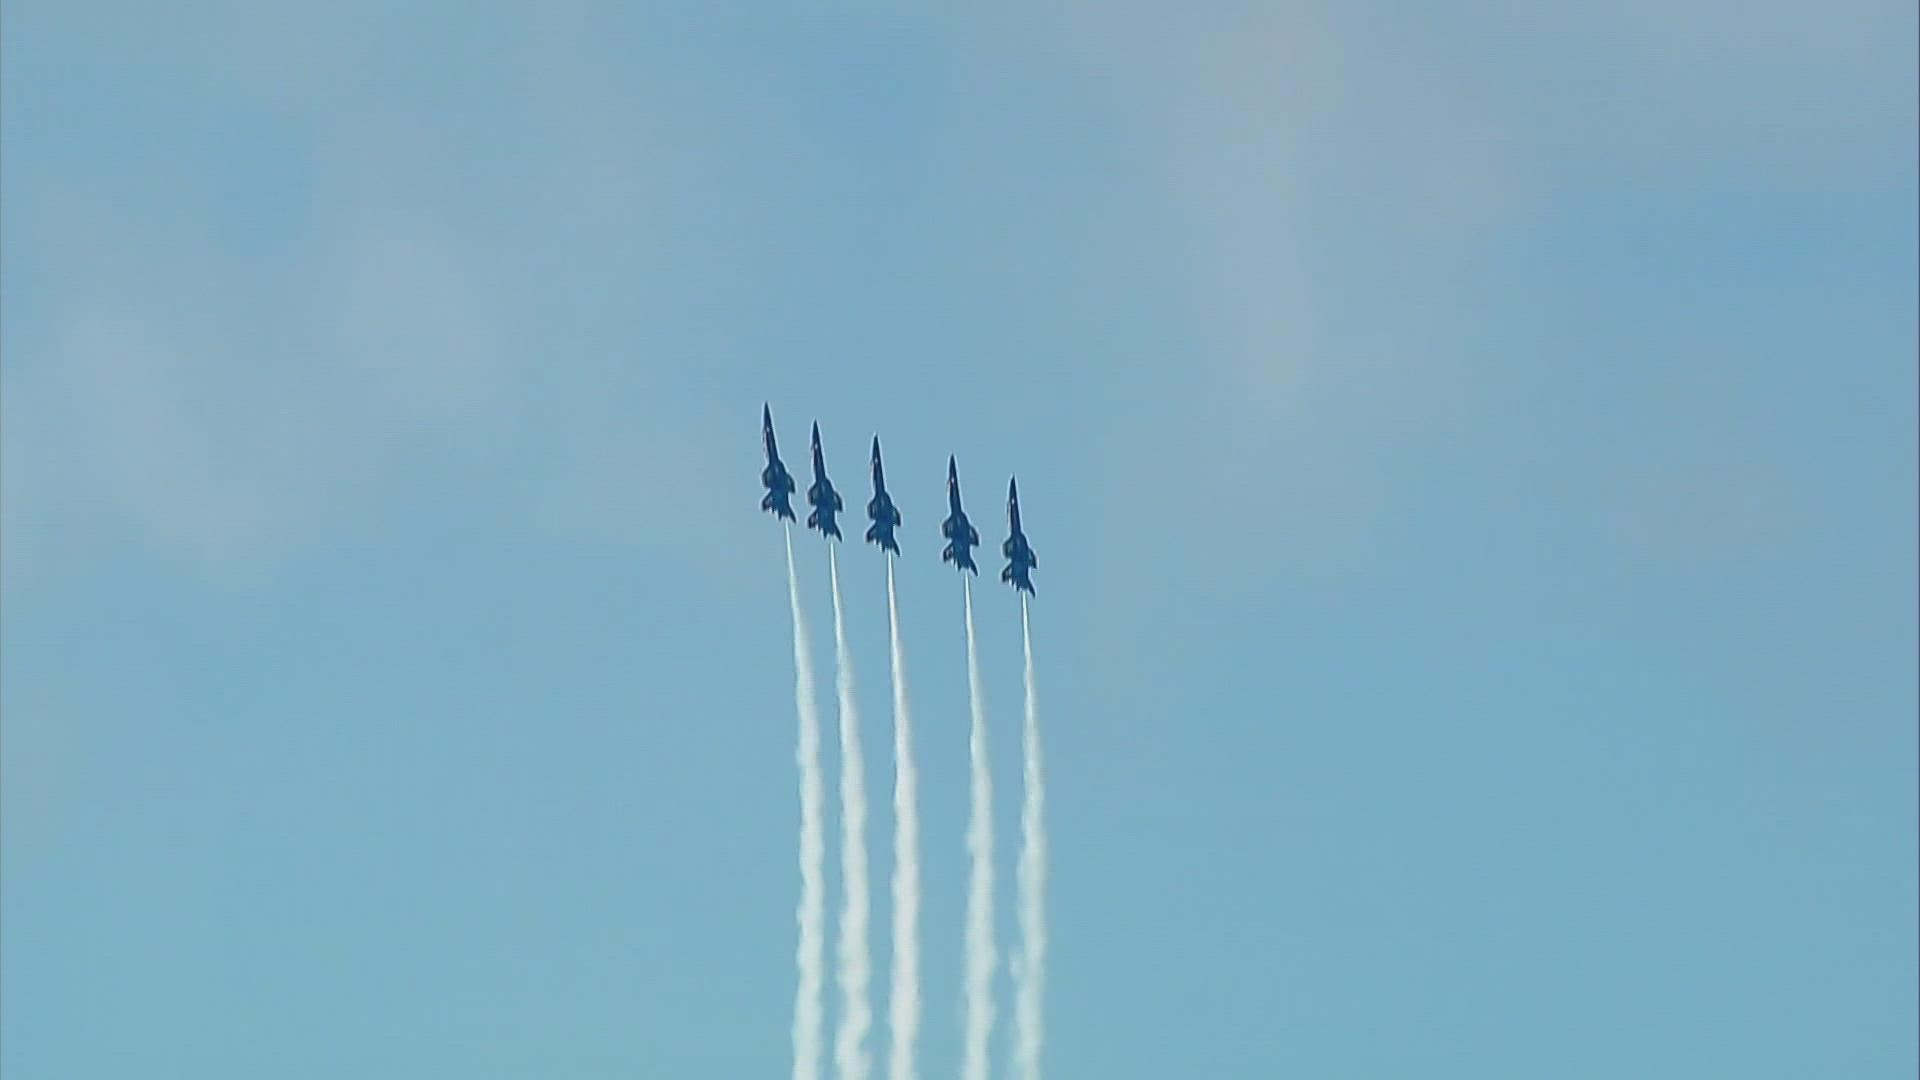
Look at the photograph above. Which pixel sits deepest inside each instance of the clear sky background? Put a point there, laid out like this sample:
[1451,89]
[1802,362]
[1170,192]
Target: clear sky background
[1471,455]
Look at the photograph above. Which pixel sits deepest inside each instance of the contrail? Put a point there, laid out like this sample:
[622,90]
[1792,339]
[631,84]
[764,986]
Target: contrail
[903,1010]
[811,915]
[1030,972]
[856,1013]
[979,931]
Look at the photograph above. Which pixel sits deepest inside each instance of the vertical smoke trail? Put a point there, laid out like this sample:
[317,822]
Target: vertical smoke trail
[903,1012]
[856,1014]
[811,915]
[1031,971]
[979,932]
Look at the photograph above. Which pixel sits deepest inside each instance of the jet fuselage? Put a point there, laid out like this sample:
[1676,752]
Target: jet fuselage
[960,534]
[880,509]
[1020,559]
[821,496]
[775,478]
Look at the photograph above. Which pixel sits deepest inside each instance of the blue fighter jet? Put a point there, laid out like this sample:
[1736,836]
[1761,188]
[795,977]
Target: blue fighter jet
[961,536]
[1020,560]
[775,478]
[821,496]
[881,509]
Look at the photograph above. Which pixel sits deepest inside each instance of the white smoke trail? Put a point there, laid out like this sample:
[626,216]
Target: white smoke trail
[856,1013]
[1031,971]
[979,930]
[903,1010]
[811,914]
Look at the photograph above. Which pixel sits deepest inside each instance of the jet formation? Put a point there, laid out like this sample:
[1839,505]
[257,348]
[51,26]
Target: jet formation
[956,529]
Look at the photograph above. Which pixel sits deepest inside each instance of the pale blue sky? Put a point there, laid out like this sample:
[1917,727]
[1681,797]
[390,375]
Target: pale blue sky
[1471,454]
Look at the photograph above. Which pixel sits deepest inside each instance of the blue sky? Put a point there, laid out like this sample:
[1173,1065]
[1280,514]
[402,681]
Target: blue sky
[1471,455]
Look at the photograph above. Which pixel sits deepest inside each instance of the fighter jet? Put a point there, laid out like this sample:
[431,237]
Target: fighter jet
[880,508]
[1020,560]
[961,536]
[825,500]
[775,478]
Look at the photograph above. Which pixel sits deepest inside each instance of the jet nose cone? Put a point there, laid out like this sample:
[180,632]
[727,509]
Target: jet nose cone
[1013,488]
[876,448]
[816,433]
[953,470]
